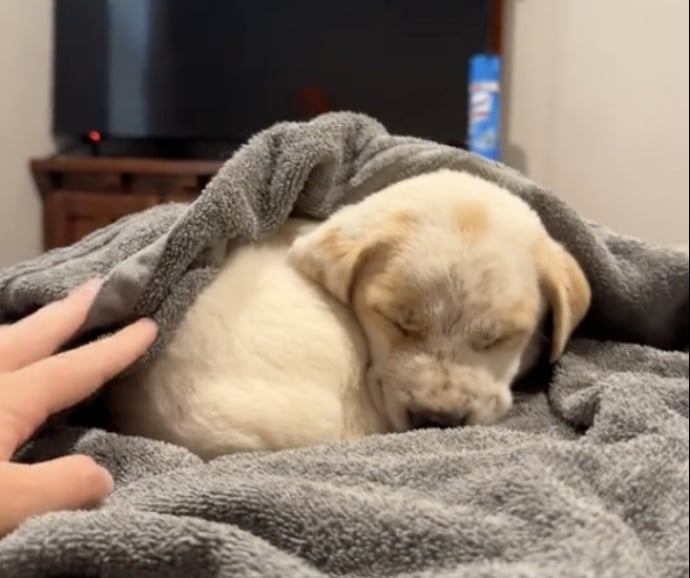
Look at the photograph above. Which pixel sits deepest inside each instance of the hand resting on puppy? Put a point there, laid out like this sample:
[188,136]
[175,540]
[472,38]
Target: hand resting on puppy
[417,307]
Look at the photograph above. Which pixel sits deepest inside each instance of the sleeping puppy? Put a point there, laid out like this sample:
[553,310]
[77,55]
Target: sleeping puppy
[416,307]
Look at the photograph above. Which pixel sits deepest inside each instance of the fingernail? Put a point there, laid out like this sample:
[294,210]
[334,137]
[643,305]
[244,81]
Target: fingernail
[91,287]
[147,321]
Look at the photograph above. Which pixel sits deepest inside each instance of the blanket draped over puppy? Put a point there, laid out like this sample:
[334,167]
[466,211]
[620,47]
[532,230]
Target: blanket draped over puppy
[586,477]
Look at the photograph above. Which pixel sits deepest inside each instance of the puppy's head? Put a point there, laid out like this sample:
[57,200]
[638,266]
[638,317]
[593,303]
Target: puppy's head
[450,278]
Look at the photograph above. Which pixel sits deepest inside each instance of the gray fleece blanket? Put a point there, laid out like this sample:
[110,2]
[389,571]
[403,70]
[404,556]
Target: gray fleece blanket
[587,477]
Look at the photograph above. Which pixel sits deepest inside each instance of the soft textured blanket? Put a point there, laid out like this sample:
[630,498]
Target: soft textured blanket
[587,477]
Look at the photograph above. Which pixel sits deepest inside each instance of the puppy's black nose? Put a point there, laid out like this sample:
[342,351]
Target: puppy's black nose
[421,419]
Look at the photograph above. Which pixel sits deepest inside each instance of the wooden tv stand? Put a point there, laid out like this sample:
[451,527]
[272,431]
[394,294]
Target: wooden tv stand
[82,194]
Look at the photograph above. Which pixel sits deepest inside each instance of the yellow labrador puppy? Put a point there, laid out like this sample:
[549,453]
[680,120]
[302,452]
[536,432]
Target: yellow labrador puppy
[416,307]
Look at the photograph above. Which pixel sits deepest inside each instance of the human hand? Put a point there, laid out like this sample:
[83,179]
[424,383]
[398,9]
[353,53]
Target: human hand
[36,383]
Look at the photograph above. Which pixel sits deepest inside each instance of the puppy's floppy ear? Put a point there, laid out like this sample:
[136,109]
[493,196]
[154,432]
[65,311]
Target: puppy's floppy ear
[330,256]
[565,286]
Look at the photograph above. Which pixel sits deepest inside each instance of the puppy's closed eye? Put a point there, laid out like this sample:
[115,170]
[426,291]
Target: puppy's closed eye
[487,342]
[490,338]
[405,323]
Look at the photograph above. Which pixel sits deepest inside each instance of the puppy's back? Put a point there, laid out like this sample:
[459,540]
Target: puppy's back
[263,360]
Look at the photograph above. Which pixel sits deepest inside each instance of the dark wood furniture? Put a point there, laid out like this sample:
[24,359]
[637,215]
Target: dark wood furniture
[496,17]
[82,194]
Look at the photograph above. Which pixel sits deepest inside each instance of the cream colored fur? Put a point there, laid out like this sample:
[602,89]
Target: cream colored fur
[418,306]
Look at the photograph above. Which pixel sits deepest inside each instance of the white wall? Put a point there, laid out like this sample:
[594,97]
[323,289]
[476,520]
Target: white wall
[596,104]
[25,115]
[597,108]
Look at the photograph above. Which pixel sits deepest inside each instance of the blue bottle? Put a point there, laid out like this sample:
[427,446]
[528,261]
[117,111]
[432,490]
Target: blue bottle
[484,103]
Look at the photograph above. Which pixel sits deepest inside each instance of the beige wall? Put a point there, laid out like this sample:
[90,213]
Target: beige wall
[597,108]
[25,60]
[596,103]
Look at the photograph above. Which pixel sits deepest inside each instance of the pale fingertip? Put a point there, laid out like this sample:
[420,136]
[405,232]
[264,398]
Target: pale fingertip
[73,482]
[107,481]
[97,481]
[150,323]
[90,288]
[145,328]
[148,326]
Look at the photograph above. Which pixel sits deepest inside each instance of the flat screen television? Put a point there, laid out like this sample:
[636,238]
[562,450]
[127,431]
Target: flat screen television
[220,70]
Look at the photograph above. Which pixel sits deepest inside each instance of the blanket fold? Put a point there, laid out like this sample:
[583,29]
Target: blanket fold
[587,476]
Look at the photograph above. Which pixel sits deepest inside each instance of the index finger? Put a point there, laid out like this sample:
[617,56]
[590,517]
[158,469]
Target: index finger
[44,331]
[32,394]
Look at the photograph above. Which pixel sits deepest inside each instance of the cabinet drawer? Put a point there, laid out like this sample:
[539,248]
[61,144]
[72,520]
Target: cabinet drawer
[71,215]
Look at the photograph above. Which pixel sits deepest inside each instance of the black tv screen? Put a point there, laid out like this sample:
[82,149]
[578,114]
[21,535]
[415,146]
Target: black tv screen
[223,69]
